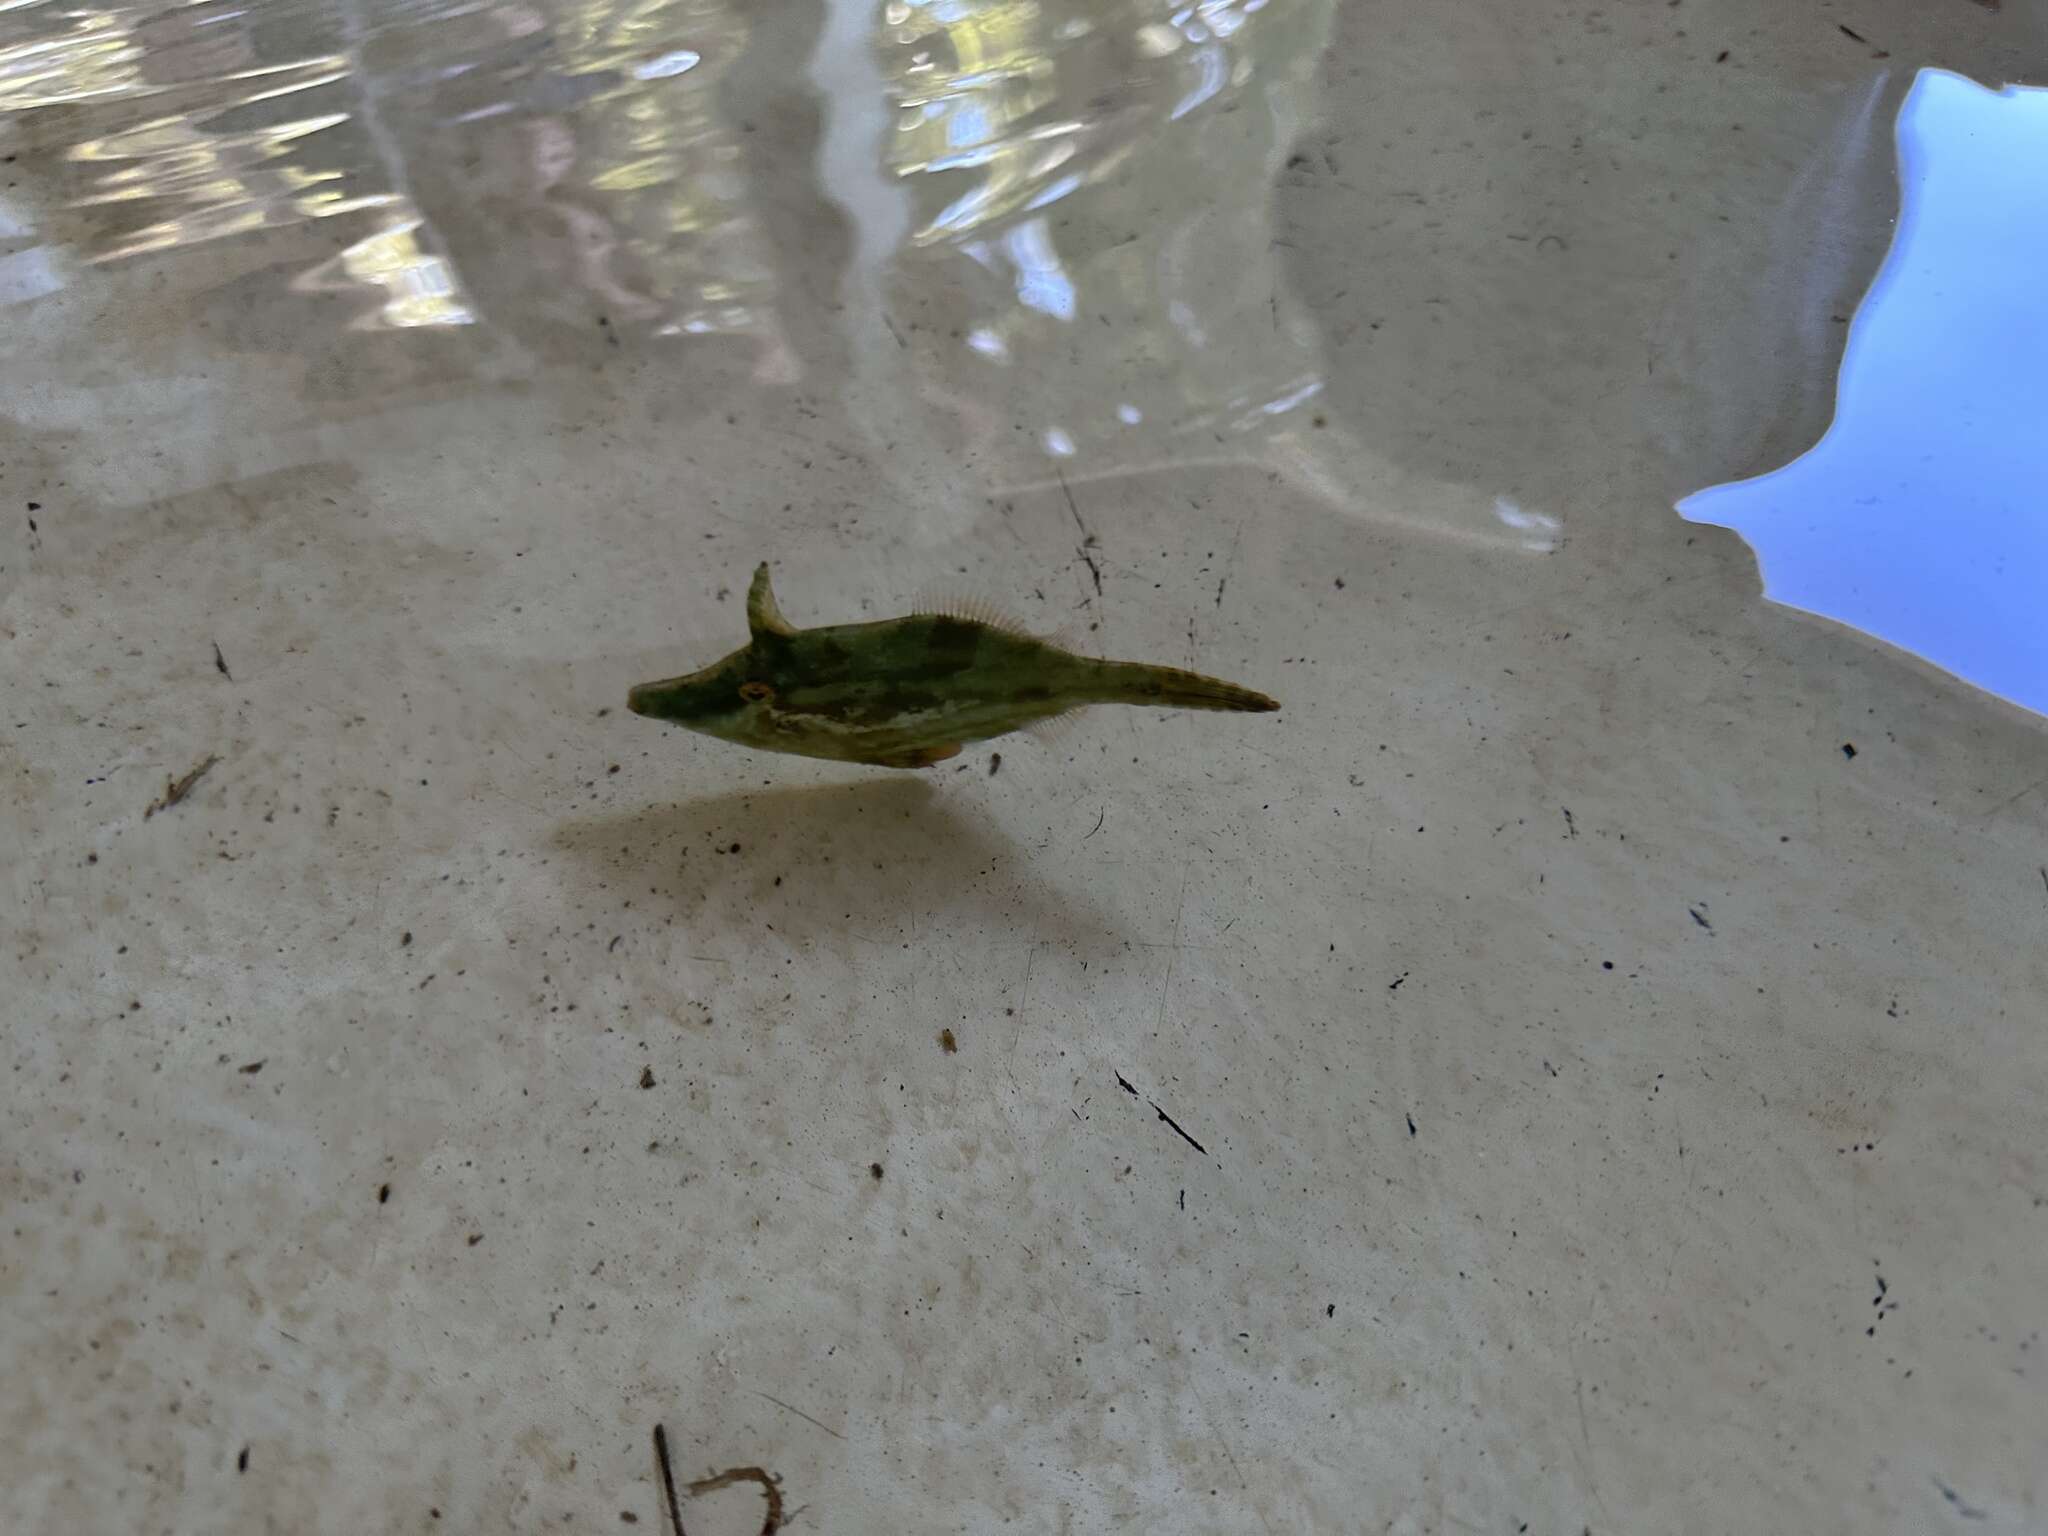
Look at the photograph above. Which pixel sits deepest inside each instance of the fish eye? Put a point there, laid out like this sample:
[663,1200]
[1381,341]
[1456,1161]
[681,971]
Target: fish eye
[753,693]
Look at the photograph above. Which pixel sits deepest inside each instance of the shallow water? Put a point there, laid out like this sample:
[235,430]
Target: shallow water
[1050,244]
[1574,1065]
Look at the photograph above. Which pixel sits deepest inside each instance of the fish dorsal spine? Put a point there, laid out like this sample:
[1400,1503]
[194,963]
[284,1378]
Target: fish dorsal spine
[763,616]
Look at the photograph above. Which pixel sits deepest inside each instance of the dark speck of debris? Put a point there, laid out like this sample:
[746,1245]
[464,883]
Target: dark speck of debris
[1848,749]
[220,663]
[1395,984]
[1571,828]
[875,1170]
[947,1043]
[1606,965]
[1122,1083]
[475,1238]
[647,1077]
[629,1517]
[242,1461]
[1955,1500]
[1330,1310]
[1175,1126]
[1340,583]
[252,1068]
[383,1193]
[995,764]
[1183,1199]
[405,938]
[1700,917]
[614,943]
[1411,1125]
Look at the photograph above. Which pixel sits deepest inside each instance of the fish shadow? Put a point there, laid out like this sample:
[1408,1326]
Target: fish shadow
[889,861]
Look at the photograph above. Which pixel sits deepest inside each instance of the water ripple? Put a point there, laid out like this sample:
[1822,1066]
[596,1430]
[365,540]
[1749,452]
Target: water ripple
[1073,197]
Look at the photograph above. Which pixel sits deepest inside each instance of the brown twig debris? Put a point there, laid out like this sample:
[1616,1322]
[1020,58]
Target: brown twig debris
[177,789]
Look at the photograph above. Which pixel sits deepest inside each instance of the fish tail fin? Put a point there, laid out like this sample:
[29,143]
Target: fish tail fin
[1135,682]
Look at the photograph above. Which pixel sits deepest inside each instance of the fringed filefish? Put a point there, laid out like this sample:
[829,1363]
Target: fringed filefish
[908,692]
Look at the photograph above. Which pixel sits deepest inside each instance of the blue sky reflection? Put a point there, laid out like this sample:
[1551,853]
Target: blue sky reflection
[1922,516]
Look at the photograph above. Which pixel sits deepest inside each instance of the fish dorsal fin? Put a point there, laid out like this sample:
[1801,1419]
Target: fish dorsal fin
[944,602]
[763,616]
[1075,639]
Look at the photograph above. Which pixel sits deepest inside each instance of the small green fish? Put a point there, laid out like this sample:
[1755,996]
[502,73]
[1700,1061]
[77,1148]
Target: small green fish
[905,693]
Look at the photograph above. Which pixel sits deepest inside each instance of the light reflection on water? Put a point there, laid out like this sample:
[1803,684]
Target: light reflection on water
[1164,287]
[197,124]
[1063,260]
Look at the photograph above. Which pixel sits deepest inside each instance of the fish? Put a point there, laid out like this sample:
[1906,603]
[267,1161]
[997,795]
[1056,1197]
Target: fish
[906,692]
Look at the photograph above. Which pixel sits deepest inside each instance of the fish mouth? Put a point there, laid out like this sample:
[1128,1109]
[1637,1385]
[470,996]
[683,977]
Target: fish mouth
[673,700]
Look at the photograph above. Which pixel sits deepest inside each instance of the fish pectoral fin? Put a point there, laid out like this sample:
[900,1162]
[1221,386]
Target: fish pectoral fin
[921,757]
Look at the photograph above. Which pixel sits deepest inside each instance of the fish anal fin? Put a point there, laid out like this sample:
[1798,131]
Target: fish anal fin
[1054,729]
[921,757]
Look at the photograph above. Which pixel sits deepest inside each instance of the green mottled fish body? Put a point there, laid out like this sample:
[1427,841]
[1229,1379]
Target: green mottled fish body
[908,692]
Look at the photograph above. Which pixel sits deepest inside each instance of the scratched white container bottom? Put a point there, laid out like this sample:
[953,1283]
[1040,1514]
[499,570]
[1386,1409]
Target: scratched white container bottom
[1577,1068]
